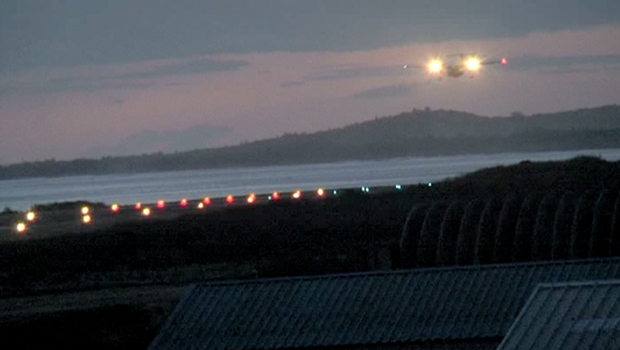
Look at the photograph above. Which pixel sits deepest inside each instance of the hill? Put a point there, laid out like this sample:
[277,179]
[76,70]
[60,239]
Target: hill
[416,133]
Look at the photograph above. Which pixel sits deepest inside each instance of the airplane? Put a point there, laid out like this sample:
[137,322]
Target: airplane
[455,68]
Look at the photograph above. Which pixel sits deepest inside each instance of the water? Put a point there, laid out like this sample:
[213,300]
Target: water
[171,186]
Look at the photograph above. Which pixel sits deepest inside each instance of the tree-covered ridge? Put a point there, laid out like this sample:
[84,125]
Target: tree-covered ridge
[416,133]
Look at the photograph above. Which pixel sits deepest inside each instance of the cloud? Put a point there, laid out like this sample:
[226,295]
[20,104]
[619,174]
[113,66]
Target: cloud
[144,142]
[133,80]
[384,92]
[43,33]
[190,67]
[292,83]
[357,72]
[530,62]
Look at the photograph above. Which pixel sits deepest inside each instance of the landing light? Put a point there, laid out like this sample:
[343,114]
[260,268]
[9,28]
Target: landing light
[21,227]
[320,192]
[30,216]
[146,211]
[297,194]
[85,210]
[115,208]
[201,205]
[87,219]
[472,64]
[435,66]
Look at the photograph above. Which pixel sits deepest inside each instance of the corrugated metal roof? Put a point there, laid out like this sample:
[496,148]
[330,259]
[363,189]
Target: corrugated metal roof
[568,316]
[389,307]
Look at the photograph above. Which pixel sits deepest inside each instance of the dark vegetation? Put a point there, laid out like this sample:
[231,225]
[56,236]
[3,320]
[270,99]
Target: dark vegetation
[525,212]
[416,133]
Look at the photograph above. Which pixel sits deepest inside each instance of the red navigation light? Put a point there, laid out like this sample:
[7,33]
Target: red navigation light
[230,199]
[206,200]
[161,204]
[183,202]
[297,194]
[138,206]
[251,198]
[115,208]
[504,61]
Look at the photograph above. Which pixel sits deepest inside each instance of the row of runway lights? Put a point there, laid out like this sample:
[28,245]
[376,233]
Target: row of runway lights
[86,216]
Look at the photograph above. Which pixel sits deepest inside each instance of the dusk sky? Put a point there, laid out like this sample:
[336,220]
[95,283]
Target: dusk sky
[87,78]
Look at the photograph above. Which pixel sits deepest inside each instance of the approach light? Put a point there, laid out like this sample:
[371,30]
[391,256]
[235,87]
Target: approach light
[85,210]
[297,194]
[86,219]
[473,64]
[21,227]
[251,198]
[30,216]
[161,204]
[115,208]
[435,66]
[146,211]
[230,199]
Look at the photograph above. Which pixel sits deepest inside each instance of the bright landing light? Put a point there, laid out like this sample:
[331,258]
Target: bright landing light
[435,66]
[472,64]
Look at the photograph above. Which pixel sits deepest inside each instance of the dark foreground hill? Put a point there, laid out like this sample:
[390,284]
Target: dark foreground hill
[416,133]
[525,212]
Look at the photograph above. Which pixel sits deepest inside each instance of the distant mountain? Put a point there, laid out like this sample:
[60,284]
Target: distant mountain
[416,133]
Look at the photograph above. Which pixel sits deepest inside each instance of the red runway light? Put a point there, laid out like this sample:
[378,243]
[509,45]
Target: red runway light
[230,199]
[275,196]
[161,204]
[138,206]
[206,200]
[504,61]
[183,202]
[115,208]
